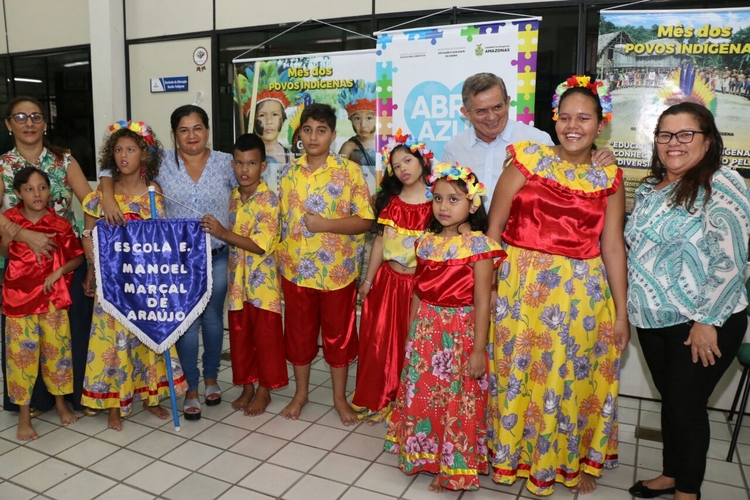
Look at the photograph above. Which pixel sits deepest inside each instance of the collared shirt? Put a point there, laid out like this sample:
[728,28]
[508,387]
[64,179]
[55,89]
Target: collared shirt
[335,190]
[56,168]
[23,286]
[686,266]
[253,277]
[186,199]
[486,160]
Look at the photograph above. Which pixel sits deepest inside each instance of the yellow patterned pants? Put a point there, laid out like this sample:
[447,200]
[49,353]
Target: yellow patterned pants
[33,339]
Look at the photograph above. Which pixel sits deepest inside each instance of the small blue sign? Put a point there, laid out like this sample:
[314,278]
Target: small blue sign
[169,84]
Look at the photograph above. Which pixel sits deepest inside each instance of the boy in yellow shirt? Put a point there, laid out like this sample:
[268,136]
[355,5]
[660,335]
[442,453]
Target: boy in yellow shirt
[256,338]
[325,211]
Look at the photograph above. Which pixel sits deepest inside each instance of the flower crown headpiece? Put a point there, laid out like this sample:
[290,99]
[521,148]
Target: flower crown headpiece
[408,140]
[454,172]
[598,88]
[139,128]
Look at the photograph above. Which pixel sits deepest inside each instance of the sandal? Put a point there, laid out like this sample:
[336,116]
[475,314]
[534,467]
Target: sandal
[191,404]
[213,390]
[90,412]
[35,412]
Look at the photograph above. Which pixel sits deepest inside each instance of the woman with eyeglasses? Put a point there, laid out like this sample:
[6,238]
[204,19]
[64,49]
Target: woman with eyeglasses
[688,244]
[26,122]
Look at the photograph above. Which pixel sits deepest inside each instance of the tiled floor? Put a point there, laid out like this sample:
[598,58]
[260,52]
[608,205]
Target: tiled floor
[229,456]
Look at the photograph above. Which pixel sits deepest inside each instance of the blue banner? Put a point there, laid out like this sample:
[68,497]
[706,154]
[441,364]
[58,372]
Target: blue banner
[153,276]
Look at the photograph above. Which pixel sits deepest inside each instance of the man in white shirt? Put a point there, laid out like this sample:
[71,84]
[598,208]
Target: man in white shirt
[482,147]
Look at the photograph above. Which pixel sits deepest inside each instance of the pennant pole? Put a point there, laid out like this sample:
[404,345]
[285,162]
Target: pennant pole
[167,357]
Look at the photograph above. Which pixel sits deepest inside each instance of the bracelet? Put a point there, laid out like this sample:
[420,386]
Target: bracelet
[368,282]
[86,233]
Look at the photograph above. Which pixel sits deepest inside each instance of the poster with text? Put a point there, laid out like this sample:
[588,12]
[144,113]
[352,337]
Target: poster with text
[420,73]
[271,94]
[654,59]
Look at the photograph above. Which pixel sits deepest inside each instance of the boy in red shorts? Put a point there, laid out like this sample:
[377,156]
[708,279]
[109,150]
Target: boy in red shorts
[325,211]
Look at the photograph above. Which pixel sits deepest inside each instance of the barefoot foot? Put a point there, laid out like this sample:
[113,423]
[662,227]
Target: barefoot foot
[67,417]
[114,422]
[260,403]
[586,485]
[157,410]
[248,393]
[294,408]
[346,413]
[435,485]
[25,432]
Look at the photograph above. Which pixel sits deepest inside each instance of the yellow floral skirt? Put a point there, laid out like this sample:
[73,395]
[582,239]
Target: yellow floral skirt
[554,371]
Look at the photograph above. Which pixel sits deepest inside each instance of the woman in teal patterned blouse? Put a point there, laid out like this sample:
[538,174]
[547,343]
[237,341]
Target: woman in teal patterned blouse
[688,245]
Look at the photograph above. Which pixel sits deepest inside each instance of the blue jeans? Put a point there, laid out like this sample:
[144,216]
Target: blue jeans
[211,322]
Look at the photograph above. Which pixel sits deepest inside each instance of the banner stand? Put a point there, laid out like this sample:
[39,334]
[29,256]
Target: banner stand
[167,356]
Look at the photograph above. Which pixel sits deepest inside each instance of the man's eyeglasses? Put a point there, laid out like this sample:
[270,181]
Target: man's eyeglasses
[21,118]
[683,136]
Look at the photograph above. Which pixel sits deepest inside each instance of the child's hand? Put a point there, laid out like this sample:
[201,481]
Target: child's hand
[603,157]
[89,282]
[476,367]
[50,280]
[364,289]
[212,226]
[112,213]
[315,223]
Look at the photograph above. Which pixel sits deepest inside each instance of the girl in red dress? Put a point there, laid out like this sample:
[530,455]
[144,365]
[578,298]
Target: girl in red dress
[403,214]
[438,421]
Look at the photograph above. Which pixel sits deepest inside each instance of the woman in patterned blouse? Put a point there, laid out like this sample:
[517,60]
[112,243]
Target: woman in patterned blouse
[25,120]
[688,243]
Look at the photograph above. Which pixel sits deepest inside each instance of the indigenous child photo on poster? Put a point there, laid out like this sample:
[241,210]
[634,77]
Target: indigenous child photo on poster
[271,94]
[654,59]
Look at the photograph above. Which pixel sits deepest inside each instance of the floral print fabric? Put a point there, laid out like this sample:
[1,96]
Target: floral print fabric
[254,278]
[56,168]
[33,340]
[554,371]
[322,261]
[119,368]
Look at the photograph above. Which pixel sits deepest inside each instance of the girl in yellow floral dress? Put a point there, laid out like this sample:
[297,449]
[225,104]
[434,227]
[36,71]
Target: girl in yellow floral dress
[438,420]
[560,319]
[119,368]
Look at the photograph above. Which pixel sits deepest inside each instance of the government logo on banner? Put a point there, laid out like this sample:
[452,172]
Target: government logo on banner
[153,276]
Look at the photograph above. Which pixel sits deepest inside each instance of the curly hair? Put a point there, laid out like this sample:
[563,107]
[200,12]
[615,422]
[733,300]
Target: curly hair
[153,155]
[478,221]
[392,186]
[700,176]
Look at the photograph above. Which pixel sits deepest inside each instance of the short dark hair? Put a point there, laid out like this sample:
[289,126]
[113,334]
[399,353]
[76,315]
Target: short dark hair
[320,113]
[23,176]
[250,142]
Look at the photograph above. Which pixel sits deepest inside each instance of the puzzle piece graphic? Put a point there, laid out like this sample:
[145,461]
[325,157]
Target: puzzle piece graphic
[488,29]
[528,40]
[429,34]
[524,101]
[383,85]
[385,126]
[387,105]
[526,117]
[385,70]
[384,39]
[525,59]
[469,32]
[384,90]
[526,83]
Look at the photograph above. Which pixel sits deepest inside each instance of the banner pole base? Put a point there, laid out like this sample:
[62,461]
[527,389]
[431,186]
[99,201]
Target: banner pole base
[172,396]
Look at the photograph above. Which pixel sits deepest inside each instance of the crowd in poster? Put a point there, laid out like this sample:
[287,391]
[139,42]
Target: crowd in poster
[420,73]
[653,59]
[271,94]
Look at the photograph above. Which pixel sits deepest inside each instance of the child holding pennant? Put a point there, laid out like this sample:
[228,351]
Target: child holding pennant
[119,368]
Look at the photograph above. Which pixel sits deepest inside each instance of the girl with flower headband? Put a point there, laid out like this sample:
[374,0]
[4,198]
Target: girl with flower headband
[560,319]
[27,125]
[120,369]
[438,421]
[403,212]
